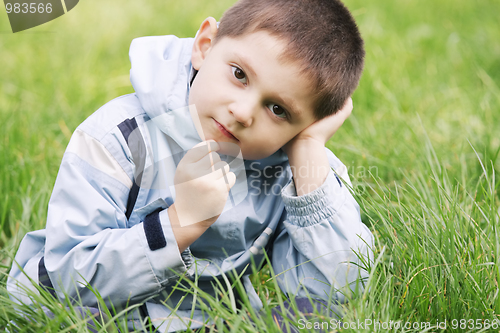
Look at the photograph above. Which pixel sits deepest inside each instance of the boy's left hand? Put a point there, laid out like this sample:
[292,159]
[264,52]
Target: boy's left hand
[322,130]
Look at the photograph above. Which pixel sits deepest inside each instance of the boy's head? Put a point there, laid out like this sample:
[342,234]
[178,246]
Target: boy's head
[271,69]
[321,36]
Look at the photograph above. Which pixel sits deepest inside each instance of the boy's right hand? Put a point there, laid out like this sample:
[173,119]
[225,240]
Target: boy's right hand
[202,184]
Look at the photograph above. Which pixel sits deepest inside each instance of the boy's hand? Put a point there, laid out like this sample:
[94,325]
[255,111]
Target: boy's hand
[322,130]
[202,183]
[309,145]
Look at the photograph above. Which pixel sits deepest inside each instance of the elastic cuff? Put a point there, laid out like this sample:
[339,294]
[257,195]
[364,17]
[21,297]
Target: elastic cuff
[313,207]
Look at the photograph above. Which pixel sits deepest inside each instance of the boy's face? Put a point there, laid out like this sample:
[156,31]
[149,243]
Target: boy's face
[246,95]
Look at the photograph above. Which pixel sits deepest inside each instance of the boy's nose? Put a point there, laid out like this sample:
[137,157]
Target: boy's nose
[243,112]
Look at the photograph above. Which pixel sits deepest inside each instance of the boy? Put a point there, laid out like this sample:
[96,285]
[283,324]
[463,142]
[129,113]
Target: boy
[181,177]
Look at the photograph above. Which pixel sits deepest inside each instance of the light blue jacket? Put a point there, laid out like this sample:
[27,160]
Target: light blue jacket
[108,225]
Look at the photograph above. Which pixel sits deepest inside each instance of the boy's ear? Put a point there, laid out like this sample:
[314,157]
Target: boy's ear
[203,42]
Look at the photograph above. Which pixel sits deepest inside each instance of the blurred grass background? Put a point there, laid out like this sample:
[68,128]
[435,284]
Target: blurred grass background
[425,125]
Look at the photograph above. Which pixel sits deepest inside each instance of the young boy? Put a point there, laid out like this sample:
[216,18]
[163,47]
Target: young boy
[217,157]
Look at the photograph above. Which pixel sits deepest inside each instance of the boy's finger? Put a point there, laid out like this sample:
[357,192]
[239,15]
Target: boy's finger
[207,161]
[231,180]
[201,149]
[221,165]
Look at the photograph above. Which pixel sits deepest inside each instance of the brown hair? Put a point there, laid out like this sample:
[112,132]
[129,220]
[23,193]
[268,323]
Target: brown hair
[321,35]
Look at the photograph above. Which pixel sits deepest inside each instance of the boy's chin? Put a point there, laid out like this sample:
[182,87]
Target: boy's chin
[232,149]
[229,149]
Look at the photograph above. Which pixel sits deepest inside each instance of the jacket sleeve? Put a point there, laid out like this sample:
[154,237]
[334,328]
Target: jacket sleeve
[90,244]
[316,251]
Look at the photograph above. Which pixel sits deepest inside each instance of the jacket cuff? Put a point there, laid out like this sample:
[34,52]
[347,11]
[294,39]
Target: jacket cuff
[313,207]
[166,261]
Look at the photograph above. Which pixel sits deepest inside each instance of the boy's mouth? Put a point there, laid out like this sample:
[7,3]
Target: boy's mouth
[225,131]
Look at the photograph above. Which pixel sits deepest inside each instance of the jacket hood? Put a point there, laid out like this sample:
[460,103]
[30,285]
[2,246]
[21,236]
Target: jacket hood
[160,74]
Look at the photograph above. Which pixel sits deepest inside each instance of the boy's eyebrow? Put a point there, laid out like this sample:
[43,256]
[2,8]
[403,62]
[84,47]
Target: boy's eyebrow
[245,64]
[290,106]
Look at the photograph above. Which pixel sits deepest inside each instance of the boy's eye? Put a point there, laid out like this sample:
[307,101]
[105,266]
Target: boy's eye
[239,74]
[277,110]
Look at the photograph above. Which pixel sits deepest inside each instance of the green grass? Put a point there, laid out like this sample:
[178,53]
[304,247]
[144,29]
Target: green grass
[422,147]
